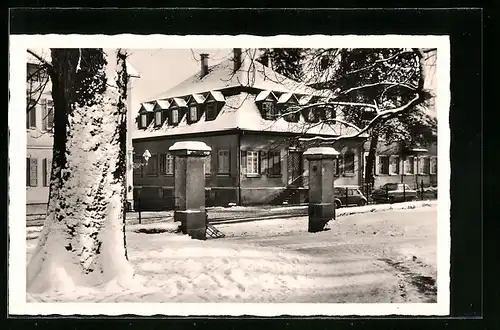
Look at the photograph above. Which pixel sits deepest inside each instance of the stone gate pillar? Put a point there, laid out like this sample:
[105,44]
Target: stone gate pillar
[189,187]
[321,196]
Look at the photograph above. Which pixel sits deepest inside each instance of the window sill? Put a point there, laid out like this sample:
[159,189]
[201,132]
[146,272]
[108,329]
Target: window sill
[152,175]
[274,175]
[168,174]
[252,175]
[223,174]
[348,174]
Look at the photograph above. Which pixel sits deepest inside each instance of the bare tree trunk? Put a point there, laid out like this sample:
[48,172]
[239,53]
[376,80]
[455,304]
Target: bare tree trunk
[83,240]
[370,161]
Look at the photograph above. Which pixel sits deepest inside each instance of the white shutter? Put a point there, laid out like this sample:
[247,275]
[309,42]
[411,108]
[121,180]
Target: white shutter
[377,165]
[416,164]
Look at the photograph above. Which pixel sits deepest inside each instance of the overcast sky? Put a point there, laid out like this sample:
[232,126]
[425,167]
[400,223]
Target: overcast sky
[161,69]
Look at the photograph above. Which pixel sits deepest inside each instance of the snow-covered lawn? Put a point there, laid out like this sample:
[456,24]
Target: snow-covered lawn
[278,261]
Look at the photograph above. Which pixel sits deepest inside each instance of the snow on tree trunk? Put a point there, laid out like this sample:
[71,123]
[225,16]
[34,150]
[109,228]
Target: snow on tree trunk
[83,240]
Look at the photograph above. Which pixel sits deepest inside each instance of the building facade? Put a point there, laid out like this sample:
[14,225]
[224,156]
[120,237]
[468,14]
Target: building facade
[39,131]
[252,128]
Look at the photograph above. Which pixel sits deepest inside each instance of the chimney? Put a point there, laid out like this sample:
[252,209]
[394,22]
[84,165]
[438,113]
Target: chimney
[237,58]
[204,65]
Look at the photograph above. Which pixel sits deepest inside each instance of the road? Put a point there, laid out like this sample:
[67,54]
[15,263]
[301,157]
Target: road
[389,255]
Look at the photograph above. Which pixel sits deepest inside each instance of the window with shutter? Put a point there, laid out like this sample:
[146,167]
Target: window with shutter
[33,172]
[223,161]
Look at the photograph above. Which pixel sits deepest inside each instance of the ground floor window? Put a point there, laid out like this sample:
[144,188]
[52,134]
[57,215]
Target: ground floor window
[383,165]
[31,172]
[252,162]
[394,165]
[349,163]
[408,165]
[223,161]
[166,164]
[274,163]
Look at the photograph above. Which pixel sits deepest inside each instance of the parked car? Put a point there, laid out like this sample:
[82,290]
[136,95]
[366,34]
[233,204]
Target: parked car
[394,192]
[348,195]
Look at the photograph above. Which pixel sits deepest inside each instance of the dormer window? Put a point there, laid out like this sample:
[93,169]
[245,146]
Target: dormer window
[269,110]
[210,111]
[174,116]
[158,118]
[193,113]
[144,120]
[312,115]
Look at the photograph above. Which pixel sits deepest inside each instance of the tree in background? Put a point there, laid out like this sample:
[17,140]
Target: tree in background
[83,239]
[285,61]
[378,92]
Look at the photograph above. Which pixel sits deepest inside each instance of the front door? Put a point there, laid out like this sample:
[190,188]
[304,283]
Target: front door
[295,169]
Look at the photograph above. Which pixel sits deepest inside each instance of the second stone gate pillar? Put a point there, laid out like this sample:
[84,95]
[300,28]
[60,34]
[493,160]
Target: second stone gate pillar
[189,186]
[321,196]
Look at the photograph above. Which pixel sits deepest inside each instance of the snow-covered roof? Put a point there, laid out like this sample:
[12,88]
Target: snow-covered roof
[284,98]
[198,98]
[222,76]
[217,96]
[306,99]
[264,95]
[179,102]
[241,112]
[321,151]
[147,106]
[190,145]
[162,104]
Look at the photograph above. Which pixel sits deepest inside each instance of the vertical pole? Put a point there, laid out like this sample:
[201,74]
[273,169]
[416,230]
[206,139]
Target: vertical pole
[139,206]
[387,192]
[422,188]
[404,192]
[346,196]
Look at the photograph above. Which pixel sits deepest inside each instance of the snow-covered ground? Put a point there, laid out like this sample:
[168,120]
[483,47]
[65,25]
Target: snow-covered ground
[371,257]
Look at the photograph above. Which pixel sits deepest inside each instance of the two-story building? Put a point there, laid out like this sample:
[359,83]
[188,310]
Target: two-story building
[245,112]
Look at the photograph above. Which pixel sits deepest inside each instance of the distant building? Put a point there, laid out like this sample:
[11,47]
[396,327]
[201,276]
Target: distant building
[238,108]
[419,165]
[39,128]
